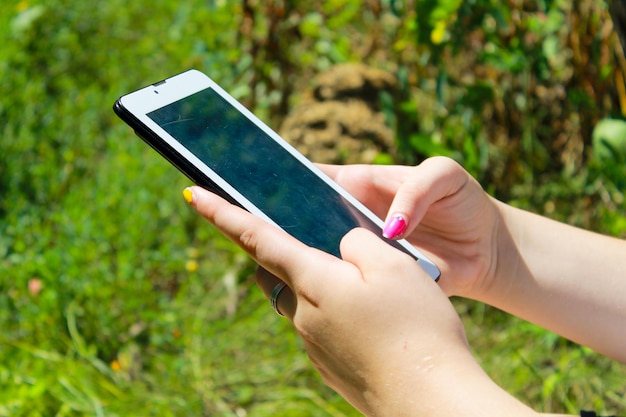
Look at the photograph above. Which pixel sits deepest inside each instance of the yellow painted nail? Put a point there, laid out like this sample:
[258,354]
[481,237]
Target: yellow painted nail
[188,194]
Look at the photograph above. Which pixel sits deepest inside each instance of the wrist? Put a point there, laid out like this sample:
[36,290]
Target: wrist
[499,258]
[456,386]
[506,266]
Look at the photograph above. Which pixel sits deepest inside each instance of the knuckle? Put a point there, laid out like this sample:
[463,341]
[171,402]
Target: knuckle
[249,240]
[308,322]
[305,329]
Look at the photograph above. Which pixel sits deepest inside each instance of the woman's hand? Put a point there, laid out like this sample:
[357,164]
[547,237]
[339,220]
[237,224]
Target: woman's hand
[440,209]
[562,278]
[378,329]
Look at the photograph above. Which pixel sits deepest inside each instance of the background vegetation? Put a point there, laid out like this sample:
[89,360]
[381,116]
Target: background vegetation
[116,300]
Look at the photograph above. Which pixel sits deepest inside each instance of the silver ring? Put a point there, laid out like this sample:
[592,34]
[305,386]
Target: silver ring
[274,296]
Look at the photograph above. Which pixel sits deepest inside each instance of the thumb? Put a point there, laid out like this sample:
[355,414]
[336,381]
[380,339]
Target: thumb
[429,182]
[373,256]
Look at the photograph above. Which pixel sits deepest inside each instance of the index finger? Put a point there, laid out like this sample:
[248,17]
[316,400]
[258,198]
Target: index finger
[373,185]
[275,250]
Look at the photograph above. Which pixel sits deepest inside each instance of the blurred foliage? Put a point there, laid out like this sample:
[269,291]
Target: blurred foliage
[115,299]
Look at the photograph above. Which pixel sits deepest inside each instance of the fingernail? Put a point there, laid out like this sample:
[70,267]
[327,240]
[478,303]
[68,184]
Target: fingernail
[188,194]
[395,226]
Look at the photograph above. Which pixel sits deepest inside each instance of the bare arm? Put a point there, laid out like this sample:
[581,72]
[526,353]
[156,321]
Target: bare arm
[568,280]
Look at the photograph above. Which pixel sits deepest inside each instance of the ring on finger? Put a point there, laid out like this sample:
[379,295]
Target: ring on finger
[274,297]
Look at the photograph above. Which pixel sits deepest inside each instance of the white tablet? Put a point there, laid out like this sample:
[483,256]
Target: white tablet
[222,146]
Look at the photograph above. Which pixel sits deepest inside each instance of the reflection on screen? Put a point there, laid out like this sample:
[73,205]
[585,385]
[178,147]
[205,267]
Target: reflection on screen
[261,170]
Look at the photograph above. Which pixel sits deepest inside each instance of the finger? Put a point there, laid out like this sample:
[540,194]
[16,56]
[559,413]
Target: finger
[275,250]
[370,253]
[429,182]
[286,300]
[373,185]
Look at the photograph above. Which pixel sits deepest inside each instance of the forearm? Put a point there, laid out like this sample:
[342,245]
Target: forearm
[448,386]
[562,278]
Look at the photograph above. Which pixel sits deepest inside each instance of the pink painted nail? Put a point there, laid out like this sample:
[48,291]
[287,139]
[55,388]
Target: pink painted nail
[395,226]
